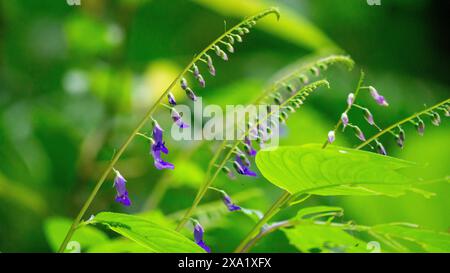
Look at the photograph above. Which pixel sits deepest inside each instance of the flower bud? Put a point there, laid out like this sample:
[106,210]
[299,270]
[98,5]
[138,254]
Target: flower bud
[344,119]
[191,94]
[303,79]
[230,48]
[201,81]
[368,116]
[238,38]
[350,99]
[377,97]
[315,71]
[400,139]
[183,83]
[171,99]
[420,126]
[359,134]
[436,119]
[211,68]
[223,55]
[231,39]
[331,137]
[380,148]
[195,70]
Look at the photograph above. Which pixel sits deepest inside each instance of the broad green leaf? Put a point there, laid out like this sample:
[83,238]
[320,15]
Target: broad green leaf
[310,237]
[334,171]
[121,245]
[154,237]
[56,229]
[291,27]
[428,240]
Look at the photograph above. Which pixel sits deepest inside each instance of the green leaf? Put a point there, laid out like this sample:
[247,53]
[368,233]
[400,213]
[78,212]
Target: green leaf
[334,171]
[56,228]
[310,237]
[121,245]
[152,236]
[428,240]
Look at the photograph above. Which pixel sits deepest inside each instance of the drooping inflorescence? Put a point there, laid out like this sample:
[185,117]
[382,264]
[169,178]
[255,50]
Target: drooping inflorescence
[396,130]
[367,114]
[433,114]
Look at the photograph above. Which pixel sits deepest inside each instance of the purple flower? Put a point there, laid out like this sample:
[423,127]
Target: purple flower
[198,237]
[176,117]
[381,149]
[331,137]
[242,168]
[350,99]
[420,127]
[159,163]
[369,117]
[248,147]
[159,143]
[159,146]
[377,97]
[230,205]
[191,94]
[122,193]
[344,119]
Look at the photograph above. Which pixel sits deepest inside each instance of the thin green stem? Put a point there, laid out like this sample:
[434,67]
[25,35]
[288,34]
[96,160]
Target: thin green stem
[144,120]
[389,128]
[285,196]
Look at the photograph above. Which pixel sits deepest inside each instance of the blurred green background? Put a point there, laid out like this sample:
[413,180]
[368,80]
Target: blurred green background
[74,80]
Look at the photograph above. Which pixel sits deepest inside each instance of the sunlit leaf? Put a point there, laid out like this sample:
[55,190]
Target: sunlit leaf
[334,171]
[154,237]
[310,237]
[121,245]
[428,240]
